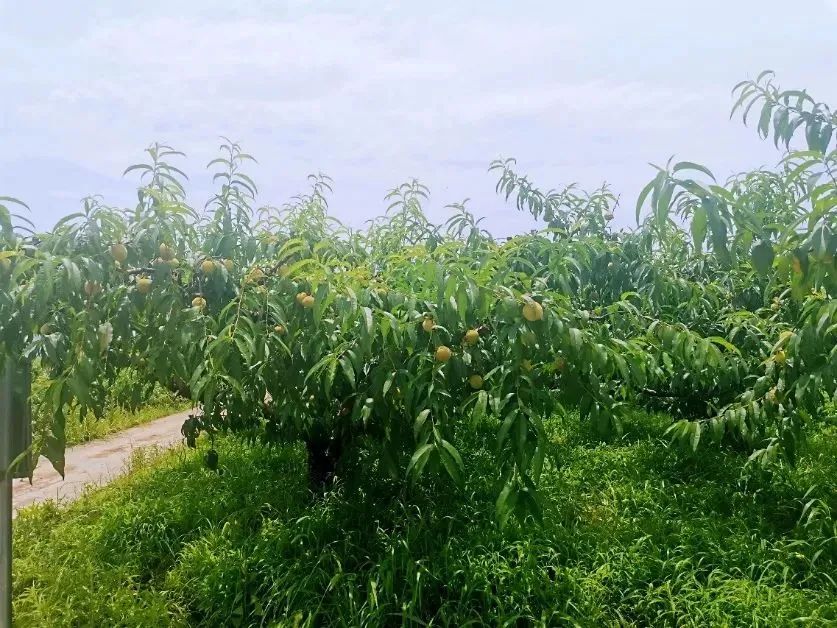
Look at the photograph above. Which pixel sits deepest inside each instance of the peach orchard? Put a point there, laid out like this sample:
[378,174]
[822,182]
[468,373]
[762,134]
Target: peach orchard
[401,339]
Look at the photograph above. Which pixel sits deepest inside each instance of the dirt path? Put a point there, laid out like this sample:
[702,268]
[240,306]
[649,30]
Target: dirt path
[96,462]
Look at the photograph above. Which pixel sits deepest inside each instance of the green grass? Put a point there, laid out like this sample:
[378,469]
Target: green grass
[633,534]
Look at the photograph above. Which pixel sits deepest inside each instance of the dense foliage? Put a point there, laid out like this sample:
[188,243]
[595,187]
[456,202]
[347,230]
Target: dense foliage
[634,534]
[401,339]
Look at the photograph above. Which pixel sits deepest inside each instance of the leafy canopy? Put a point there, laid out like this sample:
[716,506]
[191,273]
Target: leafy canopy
[284,324]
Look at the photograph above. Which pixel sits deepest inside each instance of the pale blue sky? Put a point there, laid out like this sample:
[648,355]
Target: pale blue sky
[375,93]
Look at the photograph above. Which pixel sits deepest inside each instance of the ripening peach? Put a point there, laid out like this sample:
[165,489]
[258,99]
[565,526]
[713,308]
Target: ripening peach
[119,252]
[166,252]
[443,354]
[533,311]
[144,285]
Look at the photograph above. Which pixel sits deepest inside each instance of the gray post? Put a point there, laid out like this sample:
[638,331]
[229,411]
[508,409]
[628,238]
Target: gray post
[6,551]
[15,440]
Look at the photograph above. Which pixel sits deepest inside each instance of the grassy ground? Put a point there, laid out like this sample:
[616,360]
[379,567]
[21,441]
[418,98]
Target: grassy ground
[633,534]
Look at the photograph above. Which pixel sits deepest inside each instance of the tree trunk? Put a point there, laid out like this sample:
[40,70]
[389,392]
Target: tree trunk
[323,456]
[179,387]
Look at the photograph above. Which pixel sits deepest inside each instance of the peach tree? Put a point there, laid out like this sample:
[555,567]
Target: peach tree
[410,339]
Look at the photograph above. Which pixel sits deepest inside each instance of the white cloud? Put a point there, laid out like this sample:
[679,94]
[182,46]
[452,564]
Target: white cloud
[368,88]
[371,95]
